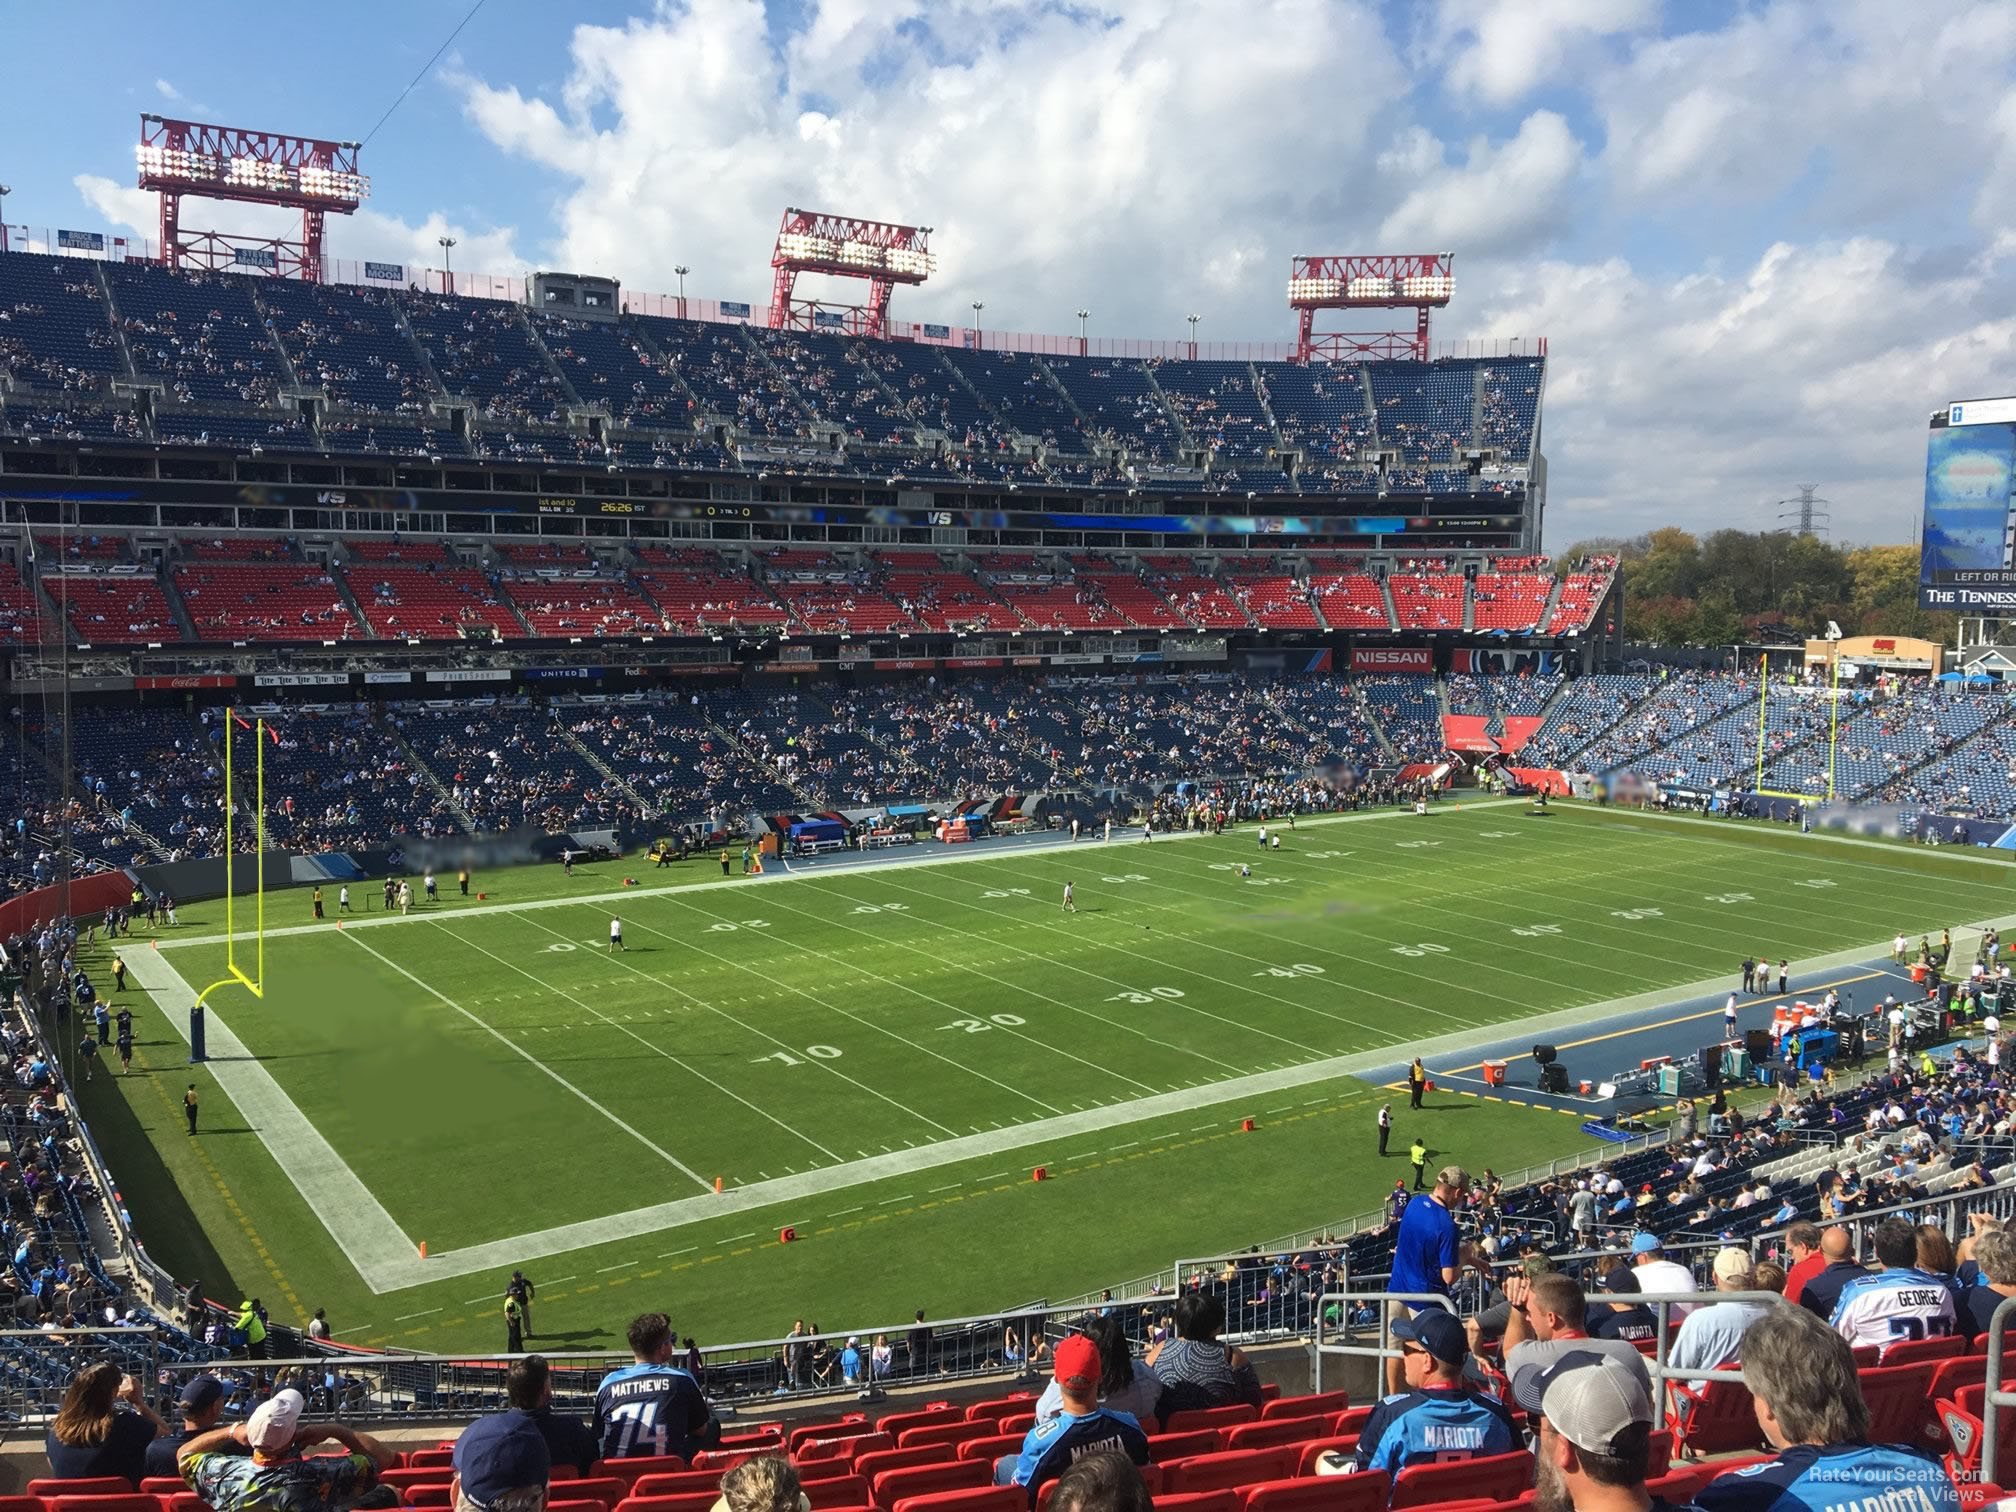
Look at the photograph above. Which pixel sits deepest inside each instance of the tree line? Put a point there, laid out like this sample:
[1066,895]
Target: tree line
[1762,586]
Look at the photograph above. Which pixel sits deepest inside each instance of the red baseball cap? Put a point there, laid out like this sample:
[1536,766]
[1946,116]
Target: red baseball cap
[1077,1362]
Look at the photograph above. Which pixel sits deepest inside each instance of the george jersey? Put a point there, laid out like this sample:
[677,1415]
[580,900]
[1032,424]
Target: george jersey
[652,1410]
[1435,1427]
[1835,1478]
[1054,1444]
[1889,1305]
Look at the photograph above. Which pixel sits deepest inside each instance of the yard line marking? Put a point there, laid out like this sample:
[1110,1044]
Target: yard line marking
[368,1236]
[887,1200]
[734,1239]
[952,1188]
[843,1212]
[425,986]
[558,1280]
[619,1265]
[686,1251]
[655,1048]
[1131,1144]
[995,1176]
[411,1316]
[1202,1127]
[1085,1155]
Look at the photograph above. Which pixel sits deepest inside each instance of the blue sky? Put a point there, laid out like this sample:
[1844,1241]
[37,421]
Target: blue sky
[1763,239]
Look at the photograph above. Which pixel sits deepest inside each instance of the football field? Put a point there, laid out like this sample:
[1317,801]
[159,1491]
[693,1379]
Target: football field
[878,1056]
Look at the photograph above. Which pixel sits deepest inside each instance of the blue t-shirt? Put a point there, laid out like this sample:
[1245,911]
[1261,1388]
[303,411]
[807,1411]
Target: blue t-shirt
[1053,1444]
[1835,1478]
[1425,1247]
[644,1411]
[1435,1427]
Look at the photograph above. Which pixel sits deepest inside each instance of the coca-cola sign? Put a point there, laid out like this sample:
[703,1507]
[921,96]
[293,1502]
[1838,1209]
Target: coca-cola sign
[1392,659]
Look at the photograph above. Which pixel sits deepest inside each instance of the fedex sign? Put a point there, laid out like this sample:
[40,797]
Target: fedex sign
[1392,659]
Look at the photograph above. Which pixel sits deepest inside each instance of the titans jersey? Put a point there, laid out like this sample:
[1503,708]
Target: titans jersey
[1434,1428]
[1053,1444]
[1891,1305]
[1836,1478]
[648,1410]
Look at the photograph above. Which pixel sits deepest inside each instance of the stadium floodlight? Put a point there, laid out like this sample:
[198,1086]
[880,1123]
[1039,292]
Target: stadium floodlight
[308,174]
[842,246]
[1384,281]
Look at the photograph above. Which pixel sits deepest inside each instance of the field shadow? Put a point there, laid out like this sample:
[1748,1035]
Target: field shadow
[575,1336]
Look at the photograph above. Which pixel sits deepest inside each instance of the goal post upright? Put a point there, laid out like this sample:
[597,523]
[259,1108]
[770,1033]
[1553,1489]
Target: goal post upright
[235,974]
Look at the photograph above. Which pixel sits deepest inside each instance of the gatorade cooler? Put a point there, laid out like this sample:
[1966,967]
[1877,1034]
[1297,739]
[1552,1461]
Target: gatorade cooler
[1494,1073]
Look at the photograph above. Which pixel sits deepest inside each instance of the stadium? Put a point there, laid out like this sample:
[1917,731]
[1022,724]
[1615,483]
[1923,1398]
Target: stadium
[903,846]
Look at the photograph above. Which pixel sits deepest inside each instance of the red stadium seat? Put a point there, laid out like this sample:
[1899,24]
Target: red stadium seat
[872,1465]
[90,1485]
[999,1408]
[109,1501]
[892,1486]
[992,1448]
[428,1494]
[837,1491]
[1911,1351]
[685,1501]
[184,1500]
[855,1426]
[644,1464]
[401,1479]
[577,1506]
[1224,1499]
[868,1443]
[1211,1417]
[154,1485]
[823,1470]
[935,1412]
[1899,1400]
[676,1484]
[1500,1476]
[1352,1419]
[719,1460]
[1017,1422]
[609,1489]
[954,1432]
[562,1473]
[1164,1447]
[1207,1472]
[1978,1494]
[973,1499]
[1151,1477]
[1716,1420]
[421,1459]
[1315,1404]
[1366,1491]
[1681,1486]
[1265,1435]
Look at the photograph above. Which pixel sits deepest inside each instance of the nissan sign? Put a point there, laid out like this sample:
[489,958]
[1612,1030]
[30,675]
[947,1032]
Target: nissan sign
[1393,659]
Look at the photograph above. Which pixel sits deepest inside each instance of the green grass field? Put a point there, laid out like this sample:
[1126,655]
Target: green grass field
[879,1057]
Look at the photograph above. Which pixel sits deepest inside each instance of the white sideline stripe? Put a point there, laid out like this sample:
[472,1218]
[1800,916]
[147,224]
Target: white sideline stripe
[391,1267]
[356,1220]
[956,855]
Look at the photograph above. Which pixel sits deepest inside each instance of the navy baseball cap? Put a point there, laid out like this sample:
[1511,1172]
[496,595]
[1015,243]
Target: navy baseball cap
[201,1392]
[1436,1331]
[498,1455]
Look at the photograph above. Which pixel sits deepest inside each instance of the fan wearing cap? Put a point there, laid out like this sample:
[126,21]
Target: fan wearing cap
[1594,1449]
[1549,1321]
[1809,1404]
[1626,1318]
[1657,1275]
[276,1477]
[1437,1419]
[1712,1337]
[201,1404]
[501,1464]
[1082,1428]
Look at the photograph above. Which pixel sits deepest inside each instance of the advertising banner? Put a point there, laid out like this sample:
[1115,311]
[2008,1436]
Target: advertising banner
[301,680]
[386,272]
[255,257]
[560,674]
[382,678]
[469,675]
[1392,659]
[81,241]
[734,309]
[186,680]
[1967,559]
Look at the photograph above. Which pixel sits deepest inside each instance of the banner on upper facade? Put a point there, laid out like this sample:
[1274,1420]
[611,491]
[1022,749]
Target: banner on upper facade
[1392,659]
[734,309]
[386,272]
[80,241]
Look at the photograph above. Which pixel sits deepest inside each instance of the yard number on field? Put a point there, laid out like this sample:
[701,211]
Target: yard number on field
[873,908]
[724,927]
[1153,994]
[1125,877]
[1533,931]
[1297,970]
[1729,898]
[1637,913]
[981,1026]
[1815,882]
[1006,892]
[1420,950]
[786,1058]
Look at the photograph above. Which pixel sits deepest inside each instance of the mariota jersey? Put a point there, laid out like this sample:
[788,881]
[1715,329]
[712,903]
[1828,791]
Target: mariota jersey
[1434,1427]
[1891,1305]
[649,1410]
[1052,1445]
[1835,1478]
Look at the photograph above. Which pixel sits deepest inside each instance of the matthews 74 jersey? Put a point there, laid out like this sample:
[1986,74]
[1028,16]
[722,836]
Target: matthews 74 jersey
[644,1411]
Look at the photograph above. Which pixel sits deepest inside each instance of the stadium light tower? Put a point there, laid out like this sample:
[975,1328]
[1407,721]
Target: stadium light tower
[5,190]
[255,167]
[1417,281]
[843,246]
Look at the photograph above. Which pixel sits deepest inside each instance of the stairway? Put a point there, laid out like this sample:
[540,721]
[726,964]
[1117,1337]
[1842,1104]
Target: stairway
[670,369]
[609,774]
[1469,605]
[431,777]
[1553,603]
[1175,415]
[552,363]
[1392,609]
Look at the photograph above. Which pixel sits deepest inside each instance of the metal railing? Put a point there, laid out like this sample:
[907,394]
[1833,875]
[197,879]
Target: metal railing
[1998,1399]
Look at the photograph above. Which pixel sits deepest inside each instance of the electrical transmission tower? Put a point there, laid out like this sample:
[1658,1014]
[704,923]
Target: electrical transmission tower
[1807,514]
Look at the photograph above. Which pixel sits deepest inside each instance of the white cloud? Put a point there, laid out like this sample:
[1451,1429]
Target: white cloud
[1503,50]
[1503,197]
[166,90]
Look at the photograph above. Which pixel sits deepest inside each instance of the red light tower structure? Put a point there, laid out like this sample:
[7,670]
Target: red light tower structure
[255,167]
[1417,281]
[809,241]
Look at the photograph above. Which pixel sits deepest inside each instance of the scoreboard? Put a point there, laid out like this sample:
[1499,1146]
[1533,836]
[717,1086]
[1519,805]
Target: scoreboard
[1967,556]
